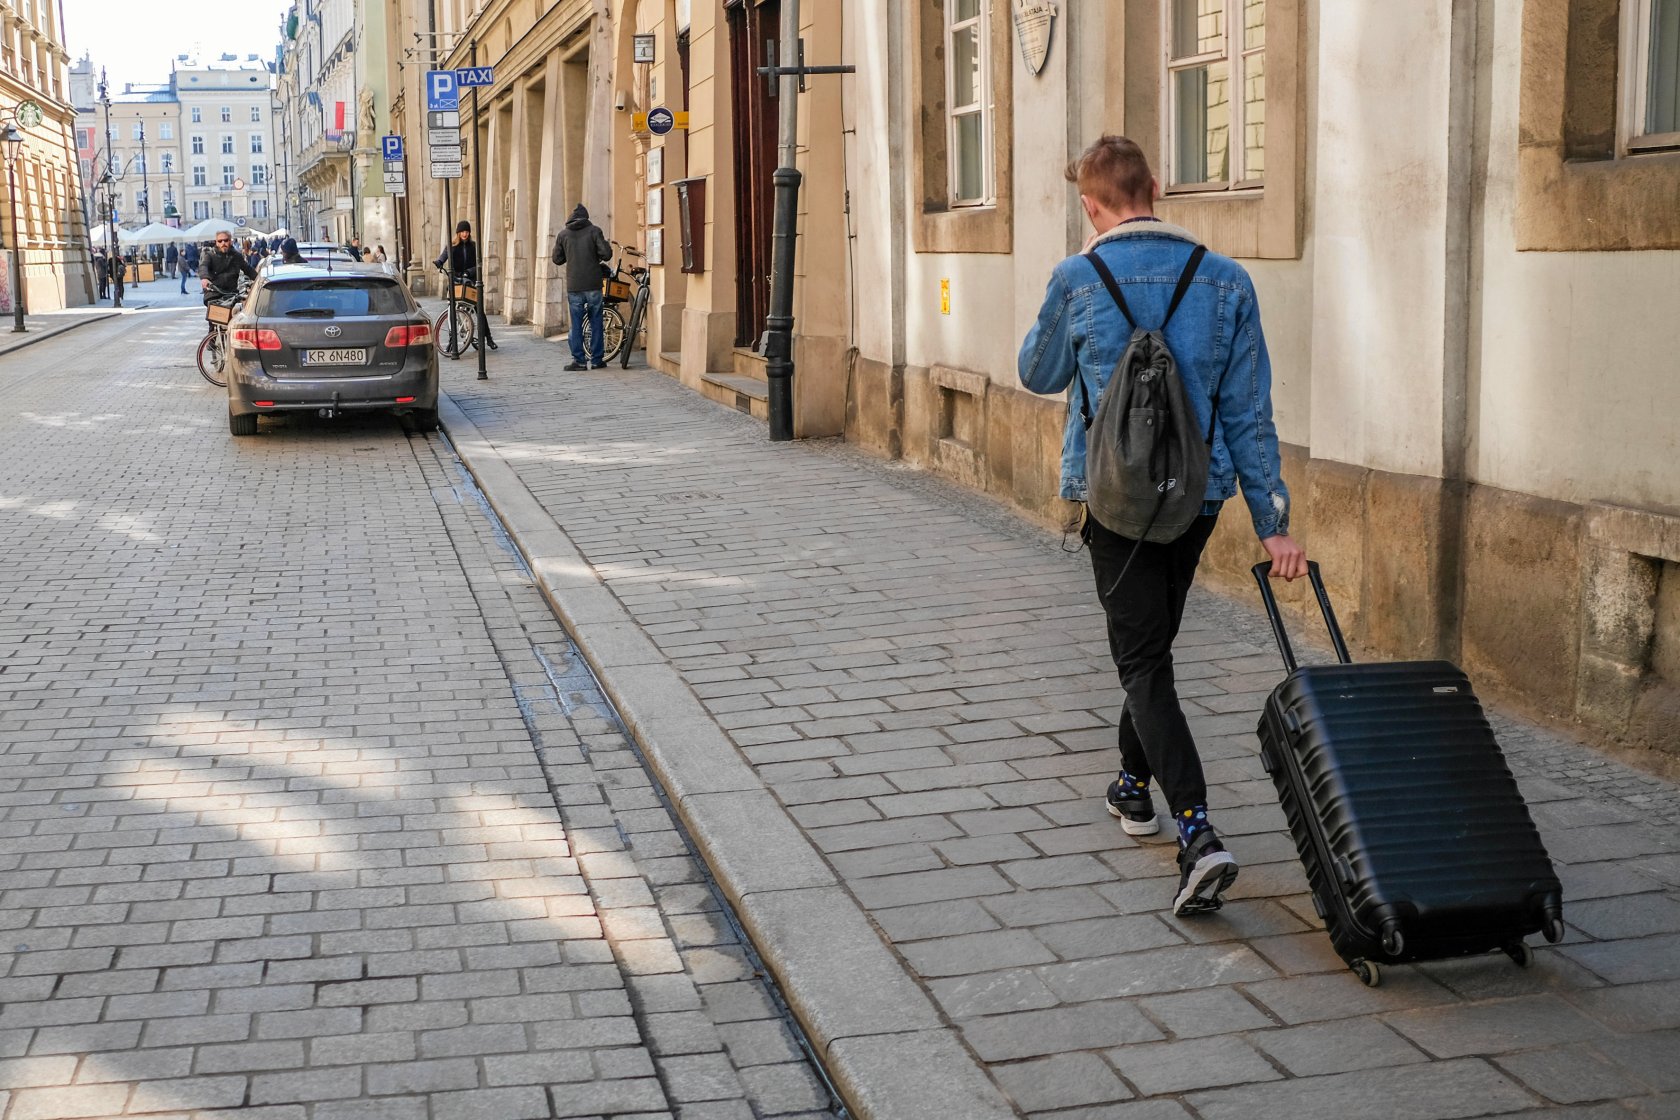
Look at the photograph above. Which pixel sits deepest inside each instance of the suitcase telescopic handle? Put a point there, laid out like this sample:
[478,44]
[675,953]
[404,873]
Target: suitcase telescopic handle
[1262,575]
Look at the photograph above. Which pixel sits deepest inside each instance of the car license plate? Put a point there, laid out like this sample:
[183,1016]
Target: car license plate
[334,357]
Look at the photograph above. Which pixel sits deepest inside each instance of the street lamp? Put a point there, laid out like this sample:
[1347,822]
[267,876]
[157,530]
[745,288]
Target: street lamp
[13,140]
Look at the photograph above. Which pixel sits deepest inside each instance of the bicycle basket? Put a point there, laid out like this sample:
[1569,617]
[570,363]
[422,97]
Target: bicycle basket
[618,289]
[216,313]
[467,292]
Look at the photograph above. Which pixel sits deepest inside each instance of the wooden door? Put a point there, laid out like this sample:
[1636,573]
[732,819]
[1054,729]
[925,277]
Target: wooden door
[751,27]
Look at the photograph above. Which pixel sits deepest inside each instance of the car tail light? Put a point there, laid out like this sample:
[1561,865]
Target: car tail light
[246,338]
[405,400]
[414,334]
[263,404]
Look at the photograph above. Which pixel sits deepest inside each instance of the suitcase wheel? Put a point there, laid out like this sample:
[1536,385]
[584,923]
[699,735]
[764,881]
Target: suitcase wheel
[1368,972]
[1393,941]
[1519,952]
[1554,929]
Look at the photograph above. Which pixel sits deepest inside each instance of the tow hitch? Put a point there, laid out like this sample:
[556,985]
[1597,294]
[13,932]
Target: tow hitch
[332,410]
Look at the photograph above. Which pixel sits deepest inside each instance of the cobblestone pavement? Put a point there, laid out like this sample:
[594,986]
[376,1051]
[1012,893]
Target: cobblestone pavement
[308,808]
[922,681]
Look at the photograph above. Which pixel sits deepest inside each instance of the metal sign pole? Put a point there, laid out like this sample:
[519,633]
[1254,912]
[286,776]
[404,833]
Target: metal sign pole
[449,274]
[478,224]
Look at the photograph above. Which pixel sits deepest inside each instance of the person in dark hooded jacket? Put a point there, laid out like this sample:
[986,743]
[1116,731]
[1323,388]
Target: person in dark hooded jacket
[583,249]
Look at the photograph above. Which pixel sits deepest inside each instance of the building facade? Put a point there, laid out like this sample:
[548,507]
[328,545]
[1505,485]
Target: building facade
[51,229]
[226,121]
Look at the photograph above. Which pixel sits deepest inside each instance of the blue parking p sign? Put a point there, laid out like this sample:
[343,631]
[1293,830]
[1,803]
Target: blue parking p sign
[392,146]
[442,93]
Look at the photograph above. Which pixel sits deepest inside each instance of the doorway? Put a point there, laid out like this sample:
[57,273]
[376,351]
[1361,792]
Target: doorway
[751,27]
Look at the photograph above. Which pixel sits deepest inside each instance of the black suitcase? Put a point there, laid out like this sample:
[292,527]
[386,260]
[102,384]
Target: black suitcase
[1415,838]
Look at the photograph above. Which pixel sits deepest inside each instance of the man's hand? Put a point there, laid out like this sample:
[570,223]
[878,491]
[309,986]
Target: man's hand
[1289,560]
[203,284]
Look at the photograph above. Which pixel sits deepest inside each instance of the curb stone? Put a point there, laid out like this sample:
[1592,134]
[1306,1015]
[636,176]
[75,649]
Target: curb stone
[879,1034]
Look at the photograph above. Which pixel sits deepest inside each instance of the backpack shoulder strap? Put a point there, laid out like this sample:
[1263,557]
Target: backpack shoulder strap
[1184,279]
[1107,278]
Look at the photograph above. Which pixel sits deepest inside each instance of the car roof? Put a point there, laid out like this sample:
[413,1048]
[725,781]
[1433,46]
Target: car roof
[316,270]
[333,246]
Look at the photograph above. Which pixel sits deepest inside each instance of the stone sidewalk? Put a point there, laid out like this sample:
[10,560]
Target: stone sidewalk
[884,708]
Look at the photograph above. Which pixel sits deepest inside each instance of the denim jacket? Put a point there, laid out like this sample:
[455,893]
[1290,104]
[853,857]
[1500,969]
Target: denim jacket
[1215,337]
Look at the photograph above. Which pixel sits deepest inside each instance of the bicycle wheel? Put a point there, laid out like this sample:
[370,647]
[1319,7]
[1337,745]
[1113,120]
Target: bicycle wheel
[465,327]
[212,358]
[638,312]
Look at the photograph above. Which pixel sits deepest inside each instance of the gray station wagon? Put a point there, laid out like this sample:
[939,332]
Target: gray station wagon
[328,339]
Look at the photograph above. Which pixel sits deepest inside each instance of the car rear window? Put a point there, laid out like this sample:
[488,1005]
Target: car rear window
[347,295]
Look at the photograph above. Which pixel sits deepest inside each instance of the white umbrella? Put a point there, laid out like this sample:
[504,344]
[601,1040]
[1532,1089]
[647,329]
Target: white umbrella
[210,227]
[155,234]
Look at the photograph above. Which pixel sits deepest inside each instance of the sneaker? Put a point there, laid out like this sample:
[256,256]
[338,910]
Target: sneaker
[490,342]
[1137,814]
[598,365]
[1206,870]
[573,367]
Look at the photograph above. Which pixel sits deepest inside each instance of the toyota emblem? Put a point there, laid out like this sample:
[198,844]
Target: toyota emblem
[334,332]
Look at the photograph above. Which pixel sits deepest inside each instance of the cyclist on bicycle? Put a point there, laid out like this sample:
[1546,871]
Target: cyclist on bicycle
[583,249]
[219,270]
[462,260]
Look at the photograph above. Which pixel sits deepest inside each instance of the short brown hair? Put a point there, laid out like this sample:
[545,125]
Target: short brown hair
[1115,172]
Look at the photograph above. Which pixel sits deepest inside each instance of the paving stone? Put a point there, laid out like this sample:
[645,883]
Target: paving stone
[1629,1008]
[1494,1028]
[975,952]
[1199,1014]
[1085,1026]
[1062,1081]
[1340,1047]
[1432,1091]
[1176,1067]
[1636,915]
[1571,1075]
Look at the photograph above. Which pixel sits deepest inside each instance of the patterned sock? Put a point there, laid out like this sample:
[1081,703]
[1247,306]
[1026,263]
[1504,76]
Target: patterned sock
[1131,787]
[1192,822]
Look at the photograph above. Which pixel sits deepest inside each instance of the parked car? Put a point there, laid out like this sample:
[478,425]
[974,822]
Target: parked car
[322,251]
[328,340]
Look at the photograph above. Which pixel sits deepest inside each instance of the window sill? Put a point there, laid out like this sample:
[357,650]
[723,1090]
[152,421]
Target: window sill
[964,229]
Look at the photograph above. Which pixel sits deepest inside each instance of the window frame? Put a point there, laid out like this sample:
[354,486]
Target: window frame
[1632,101]
[256,114]
[980,22]
[227,114]
[166,130]
[201,210]
[197,114]
[228,145]
[201,175]
[198,144]
[257,143]
[230,172]
[1235,54]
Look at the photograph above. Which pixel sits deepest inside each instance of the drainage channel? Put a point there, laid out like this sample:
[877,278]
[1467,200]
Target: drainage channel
[569,687]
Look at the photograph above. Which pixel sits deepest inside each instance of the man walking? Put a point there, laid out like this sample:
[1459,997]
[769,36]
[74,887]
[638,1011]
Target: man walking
[172,260]
[583,248]
[189,264]
[1215,339]
[102,272]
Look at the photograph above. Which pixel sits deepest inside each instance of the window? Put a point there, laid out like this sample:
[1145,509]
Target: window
[968,93]
[1216,140]
[256,114]
[227,115]
[1651,100]
[169,163]
[227,210]
[140,165]
[201,210]
[166,130]
[256,143]
[259,174]
[199,179]
[259,208]
[227,144]
[198,145]
[139,130]
[198,118]
[229,173]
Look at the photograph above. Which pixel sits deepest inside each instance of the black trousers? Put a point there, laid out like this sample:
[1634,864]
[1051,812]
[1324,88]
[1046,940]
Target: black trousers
[1144,614]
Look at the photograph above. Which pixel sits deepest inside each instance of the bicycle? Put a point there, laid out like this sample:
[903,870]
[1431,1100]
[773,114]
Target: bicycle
[461,303]
[220,306]
[643,277]
[615,290]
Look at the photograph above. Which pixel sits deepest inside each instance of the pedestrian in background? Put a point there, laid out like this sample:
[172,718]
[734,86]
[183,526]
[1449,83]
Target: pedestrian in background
[583,249]
[102,272]
[1212,328]
[189,264]
[172,260]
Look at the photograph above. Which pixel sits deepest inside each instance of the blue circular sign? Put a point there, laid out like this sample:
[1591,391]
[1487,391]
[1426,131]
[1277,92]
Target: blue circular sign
[661,121]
